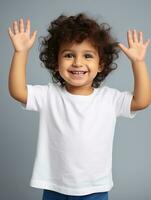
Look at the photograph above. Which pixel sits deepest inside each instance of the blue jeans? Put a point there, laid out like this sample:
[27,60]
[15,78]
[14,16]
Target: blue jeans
[52,195]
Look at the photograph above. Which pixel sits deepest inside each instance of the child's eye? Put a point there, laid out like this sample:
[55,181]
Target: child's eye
[69,55]
[88,56]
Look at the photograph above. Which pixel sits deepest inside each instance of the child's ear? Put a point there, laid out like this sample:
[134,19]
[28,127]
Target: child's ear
[57,68]
[101,67]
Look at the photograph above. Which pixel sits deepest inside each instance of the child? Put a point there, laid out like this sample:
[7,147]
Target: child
[77,113]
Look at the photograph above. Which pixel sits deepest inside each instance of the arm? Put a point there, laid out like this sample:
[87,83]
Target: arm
[22,42]
[142,84]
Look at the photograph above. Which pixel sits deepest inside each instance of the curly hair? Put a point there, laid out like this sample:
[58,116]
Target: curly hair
[76,29]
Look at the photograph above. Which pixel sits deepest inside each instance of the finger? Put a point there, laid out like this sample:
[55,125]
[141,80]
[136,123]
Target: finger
[135,37]
[21,25]
[28,26]
[129,38]
[11,34]
[124,48]
[15,27]
[141,37]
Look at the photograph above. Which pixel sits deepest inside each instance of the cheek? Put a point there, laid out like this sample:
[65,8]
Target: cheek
[64,64]
[95,65]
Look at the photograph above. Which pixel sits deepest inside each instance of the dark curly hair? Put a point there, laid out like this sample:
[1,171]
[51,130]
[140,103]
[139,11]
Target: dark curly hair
[76,29]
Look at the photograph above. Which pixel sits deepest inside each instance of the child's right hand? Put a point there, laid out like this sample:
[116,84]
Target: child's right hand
[20,36]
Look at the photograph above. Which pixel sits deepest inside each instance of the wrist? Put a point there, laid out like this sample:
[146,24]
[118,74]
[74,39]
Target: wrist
[138,62]
[23,52]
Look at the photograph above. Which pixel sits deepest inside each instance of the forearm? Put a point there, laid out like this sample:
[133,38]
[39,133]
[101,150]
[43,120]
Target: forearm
[142,84]
[17,74]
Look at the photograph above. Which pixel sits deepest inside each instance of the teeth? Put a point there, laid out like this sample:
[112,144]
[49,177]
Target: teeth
[77,72]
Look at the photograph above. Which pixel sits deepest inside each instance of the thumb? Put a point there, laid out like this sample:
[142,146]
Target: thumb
[123,48]
[33,36]
[147,42]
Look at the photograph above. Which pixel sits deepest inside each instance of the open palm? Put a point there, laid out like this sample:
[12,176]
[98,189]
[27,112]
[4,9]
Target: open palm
[20,36]
[137,47]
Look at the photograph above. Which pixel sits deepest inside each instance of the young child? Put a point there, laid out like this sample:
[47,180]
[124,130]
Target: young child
[77,113]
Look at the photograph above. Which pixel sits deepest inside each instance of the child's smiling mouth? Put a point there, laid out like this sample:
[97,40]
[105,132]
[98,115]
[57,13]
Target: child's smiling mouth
[77,74]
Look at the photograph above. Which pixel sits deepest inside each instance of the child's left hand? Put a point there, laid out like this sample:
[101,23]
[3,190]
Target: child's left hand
[137,47]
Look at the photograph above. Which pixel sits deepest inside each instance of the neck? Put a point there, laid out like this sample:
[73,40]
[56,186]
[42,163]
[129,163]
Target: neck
[79,90]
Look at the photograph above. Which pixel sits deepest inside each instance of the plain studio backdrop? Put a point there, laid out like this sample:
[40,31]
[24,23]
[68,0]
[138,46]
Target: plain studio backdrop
[19,128]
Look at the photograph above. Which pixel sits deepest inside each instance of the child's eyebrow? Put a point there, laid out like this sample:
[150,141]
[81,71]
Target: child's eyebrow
[86,51]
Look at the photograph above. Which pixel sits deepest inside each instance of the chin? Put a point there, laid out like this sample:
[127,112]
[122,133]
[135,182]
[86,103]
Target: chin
[76,84]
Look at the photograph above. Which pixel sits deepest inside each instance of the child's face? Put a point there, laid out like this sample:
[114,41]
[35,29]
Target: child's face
[78,64]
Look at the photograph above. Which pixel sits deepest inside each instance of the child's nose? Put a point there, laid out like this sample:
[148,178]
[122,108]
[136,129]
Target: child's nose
[77,62]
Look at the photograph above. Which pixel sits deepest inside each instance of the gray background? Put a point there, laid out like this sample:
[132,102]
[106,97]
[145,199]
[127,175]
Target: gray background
[19,129]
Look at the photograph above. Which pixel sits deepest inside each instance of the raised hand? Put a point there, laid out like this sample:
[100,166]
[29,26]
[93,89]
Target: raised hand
[20,36]
[137,47]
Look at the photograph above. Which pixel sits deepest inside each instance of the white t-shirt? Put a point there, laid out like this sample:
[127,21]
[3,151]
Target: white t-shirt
[74,148]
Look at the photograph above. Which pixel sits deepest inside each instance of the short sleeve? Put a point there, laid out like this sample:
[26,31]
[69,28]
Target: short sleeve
[123,104]
[36,97]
